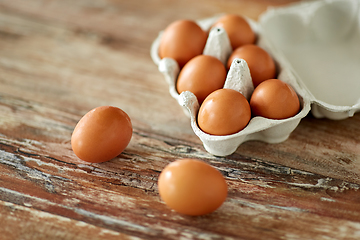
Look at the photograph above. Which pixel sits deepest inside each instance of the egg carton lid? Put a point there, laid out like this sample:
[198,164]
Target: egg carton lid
[319,42]
[316,46]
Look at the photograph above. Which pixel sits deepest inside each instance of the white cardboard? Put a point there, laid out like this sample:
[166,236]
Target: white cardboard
[319,42]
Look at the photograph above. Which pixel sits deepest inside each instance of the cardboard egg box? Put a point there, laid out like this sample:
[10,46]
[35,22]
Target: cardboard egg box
[316,46]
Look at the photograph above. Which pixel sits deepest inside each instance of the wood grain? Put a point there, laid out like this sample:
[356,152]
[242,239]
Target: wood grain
[59,59]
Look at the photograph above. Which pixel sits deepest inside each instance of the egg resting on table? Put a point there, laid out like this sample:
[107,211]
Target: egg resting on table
[101,134]
[192,187]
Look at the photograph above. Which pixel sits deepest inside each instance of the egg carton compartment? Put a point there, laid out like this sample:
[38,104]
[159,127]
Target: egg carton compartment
[316,47]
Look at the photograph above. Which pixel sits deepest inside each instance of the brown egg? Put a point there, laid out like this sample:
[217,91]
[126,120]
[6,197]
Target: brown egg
[101,134]
[238,30]
[261,65]
[224,112]
[274,99]
[192,187]
[201,75]
[182,40]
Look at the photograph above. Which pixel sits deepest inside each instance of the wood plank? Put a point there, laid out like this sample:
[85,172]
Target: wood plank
[33,224]
[128,193]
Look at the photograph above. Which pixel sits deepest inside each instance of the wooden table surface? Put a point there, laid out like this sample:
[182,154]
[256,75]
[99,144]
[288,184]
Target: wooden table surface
[61,58]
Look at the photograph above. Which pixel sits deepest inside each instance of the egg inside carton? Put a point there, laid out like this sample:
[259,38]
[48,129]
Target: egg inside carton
[239,79]
[276,29]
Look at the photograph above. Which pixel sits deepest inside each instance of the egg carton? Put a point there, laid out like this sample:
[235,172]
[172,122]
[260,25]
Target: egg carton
[316,46]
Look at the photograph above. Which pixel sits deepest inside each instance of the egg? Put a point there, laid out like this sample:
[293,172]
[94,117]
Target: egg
[182,40]
[192,187]
[274,99]
[260,63]
[238,29]
[224,112]
[101,134]
[201,75]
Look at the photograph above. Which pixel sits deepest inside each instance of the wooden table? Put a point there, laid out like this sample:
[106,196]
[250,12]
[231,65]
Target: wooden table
[61,58]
